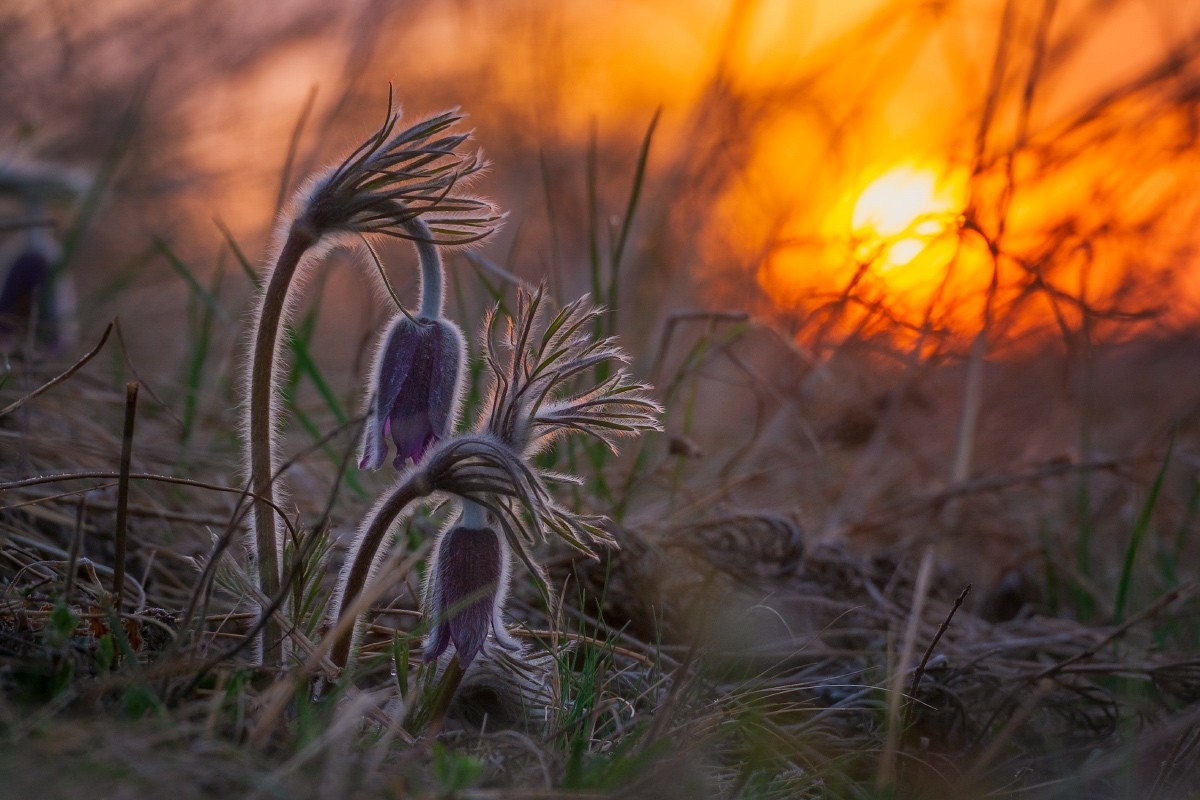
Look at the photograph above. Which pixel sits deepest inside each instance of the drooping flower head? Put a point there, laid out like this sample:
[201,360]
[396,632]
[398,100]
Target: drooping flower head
[400,182]
[35,287]
[468,584]
[416,384]
[543,385]
[24,284]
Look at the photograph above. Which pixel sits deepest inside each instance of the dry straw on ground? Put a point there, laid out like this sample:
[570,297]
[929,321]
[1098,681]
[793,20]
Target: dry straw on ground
[736,654]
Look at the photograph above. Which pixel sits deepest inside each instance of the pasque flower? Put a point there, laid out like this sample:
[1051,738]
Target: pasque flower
[23,289]
[539,390]
[415,388]
[407,183]
[36,288]
[467,586]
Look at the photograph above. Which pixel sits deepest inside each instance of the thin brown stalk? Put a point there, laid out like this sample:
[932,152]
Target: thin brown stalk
[937,637]
[76,549]
[137,476]
[677,317]
[891,746]
[1182,592]
[974,381]
[120,533]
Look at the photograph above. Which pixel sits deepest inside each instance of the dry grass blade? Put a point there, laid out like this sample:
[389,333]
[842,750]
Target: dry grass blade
[120,532]
[63,376]
[895,700]
[1183,592]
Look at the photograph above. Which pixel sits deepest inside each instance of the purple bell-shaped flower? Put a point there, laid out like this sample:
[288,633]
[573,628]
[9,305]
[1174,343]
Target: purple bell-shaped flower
[23,284]
[468,584]
[416,385]
[32,294]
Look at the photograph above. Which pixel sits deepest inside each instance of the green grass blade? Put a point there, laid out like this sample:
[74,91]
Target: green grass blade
[555,271]
[1139,532]
[304,366]
[247,267]
[635,193]
[197,289]
[285,177]
[1171,559]
[593,217]
[196,361]
[90,204]
[297,339]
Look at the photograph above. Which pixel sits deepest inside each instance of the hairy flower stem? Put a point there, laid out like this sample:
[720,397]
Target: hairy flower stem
[264,417]
[261,433]
[366,551]
[433,291]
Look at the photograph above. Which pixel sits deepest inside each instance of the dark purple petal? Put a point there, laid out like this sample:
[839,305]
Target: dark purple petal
[469,571]
[27,278]
[395,360]
[444,377]
[374,444]
[408,419]
[437,641]
[416,390]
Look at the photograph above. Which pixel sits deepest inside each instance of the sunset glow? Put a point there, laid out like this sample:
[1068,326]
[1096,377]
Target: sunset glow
[819,156]
[898,214]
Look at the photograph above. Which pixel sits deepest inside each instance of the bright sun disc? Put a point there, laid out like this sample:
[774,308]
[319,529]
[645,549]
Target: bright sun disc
[901,211]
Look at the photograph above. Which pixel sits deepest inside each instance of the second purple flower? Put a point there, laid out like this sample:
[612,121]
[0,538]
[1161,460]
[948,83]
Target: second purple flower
[415,388]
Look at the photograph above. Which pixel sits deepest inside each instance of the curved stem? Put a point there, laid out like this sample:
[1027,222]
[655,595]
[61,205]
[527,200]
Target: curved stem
[433,275]
[260,432]
[365,552]
[263,414]
[473,515]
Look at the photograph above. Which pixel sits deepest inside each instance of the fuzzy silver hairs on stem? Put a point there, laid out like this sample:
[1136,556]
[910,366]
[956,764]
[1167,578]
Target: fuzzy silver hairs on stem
[407,184]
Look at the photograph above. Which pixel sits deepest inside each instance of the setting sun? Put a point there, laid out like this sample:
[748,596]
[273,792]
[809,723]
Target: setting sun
[898,213]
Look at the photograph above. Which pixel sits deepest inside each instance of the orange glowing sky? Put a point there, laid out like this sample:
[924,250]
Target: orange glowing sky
[859,147]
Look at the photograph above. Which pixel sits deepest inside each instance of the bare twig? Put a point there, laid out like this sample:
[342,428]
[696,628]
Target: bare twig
[937,637]
[1182,592]
[137,476]
[45,387]
[119,532]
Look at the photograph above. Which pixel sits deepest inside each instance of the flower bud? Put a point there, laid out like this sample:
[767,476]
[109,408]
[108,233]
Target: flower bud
[467,587]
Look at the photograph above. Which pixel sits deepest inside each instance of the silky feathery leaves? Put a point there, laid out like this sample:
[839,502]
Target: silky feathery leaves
[395,177]
[486,471]
[537,373]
